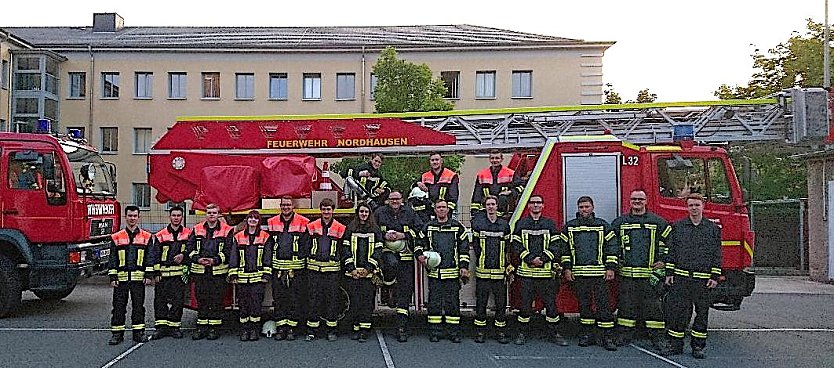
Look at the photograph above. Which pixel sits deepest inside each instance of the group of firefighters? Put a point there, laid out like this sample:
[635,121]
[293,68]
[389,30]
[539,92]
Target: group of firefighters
[306,262]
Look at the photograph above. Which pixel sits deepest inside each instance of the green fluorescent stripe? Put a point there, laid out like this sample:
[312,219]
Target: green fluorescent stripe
[531,183]
[516,110]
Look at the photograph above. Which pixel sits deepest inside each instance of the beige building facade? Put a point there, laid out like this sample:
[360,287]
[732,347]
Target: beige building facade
[123,86]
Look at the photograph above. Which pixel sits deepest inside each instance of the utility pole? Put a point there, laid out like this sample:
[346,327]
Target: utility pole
[826,77]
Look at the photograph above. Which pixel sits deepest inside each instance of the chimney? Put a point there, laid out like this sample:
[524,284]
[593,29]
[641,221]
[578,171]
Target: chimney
[107,22]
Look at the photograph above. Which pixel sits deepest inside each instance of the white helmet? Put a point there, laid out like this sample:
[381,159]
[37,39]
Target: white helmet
[432,259]
[269,329]
[395,245]
[418,193]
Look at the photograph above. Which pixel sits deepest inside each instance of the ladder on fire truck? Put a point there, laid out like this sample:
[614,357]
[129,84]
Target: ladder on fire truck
[789,116]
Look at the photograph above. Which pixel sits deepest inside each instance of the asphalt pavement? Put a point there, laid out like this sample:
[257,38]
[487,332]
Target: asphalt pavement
[786,323]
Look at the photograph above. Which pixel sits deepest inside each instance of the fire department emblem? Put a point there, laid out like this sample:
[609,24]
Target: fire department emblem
[199,131]
[233,131]
[303,130]
[269,131]
[372,130]
[178,163]
[338,131]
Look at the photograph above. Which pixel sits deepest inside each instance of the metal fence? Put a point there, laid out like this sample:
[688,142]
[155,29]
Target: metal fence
[781,228]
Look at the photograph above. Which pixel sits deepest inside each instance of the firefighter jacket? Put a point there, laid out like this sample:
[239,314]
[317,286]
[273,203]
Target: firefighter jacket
[695,250]
[210,242]
[292,242]
[326,246]
[536,238]
[250,260]
[423,207]
[491,241]
[642,240]
[589,246]
[442,186]
[131,256]
[404,220]
[168,244]
[369,183]
[451,240]
[492,182]
[361,249]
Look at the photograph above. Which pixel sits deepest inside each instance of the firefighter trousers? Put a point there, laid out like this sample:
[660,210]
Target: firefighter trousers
[362,295]
[404,290]
[250,298]
[685,293]
[289,294]
[483,289]
[546,288]
[444,301]
[638,300]
[168,299]
[324,299]
[210,290]
[135,290]
[593,292]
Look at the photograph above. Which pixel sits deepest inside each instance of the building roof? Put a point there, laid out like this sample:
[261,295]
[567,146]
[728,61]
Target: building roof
[292,38]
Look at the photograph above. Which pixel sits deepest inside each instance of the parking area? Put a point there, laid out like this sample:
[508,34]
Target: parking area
[785,323]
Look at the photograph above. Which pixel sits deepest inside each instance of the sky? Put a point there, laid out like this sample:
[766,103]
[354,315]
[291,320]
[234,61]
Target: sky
[681,51]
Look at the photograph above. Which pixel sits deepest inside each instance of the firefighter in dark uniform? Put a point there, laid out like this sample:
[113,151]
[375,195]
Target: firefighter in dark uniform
[362,246]
[419,201]
[323,270]
[490,238]
[250,267]
[536,241]
[367,175]
[449,238]
[440,183]
[589,258]
[400,223]
[208,252]
[498,181]
[693,268]
[130,269]
[642,237]
[292,247]
[169,292]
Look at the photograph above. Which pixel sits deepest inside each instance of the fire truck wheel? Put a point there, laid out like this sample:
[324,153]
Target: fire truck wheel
[10,289]
[53,295]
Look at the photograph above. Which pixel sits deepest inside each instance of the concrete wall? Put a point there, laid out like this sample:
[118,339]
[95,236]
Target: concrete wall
[820,172]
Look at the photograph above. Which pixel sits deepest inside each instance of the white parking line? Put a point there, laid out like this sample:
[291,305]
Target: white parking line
[389,363]
[667,360]
[49,329]
[122,355]
[772,329]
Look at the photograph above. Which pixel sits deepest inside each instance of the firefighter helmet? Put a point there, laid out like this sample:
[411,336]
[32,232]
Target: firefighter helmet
[418,193]
[432,259]
[395,245]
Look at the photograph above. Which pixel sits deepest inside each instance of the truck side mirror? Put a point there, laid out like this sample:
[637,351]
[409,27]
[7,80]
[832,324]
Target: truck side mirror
[88,172]
[112,168]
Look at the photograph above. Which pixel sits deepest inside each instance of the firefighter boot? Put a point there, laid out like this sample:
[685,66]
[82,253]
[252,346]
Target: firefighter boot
[363,336]
[254,334]
[212,334]
[117,338]
[138,335]
[608,341]
[675,347]
[502,338]
[557,337]
[290,335]
[480,337]
[659,342]
[199,333]
[698,352]
[587,340]
[160,332]
[520,339]
[244,332]
[625,337]
[402,334]
[331,335]
[176,333]
[281,335]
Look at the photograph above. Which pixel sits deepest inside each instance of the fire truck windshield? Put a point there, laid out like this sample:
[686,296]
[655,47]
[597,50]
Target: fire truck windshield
[101,183]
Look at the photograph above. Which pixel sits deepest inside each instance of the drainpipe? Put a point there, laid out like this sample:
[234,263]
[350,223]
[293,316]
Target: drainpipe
[92,84]
[362,89]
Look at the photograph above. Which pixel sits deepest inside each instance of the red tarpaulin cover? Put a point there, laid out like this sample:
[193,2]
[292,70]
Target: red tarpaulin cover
[288,176]
[233,188]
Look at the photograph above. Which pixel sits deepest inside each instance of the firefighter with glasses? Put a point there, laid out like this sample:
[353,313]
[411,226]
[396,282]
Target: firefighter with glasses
[169,291]
[642,237]
[323,269]
[491,240]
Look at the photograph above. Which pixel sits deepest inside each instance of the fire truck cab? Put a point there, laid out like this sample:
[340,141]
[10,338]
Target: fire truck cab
[57,208]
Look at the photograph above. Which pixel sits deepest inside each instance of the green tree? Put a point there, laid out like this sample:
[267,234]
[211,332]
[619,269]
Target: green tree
[404,86]
[611,96]
[797,62]
[645,96]
[767,170]
[400,171]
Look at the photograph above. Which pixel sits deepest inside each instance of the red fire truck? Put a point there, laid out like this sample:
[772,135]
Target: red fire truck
[57,208]
[564,152]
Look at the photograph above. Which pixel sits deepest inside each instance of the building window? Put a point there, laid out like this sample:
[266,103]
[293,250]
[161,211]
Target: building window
[176,85]
[141,140]
[26,105]
[211,85]
[312,86]
[245,86]
[77,85]
[27,82]
[109,140]
[142,195]
[110,85]
[485,84]
[345,86]
[4,75]
[522,84]
[32,63]
[144,85]
[373,86]
[451,80]
[278,86]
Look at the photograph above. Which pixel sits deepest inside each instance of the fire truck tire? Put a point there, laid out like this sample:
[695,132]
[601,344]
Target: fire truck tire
[10,287]
[53,295]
